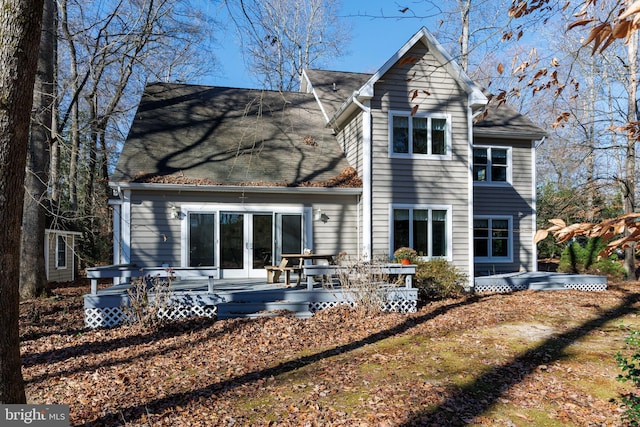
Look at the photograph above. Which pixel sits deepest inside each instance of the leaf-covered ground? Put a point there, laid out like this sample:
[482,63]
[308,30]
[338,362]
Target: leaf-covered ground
[522,359]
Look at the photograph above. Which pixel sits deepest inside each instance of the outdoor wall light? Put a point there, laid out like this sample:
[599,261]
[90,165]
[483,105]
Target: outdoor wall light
[321,216]
[175,212]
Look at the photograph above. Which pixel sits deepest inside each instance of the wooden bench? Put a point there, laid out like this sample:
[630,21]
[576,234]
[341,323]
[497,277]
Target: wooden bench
[274,272]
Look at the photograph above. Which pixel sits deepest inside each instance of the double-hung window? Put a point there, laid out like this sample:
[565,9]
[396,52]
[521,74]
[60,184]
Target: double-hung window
[492,164]
[421,135]
[492,238]
[427,229]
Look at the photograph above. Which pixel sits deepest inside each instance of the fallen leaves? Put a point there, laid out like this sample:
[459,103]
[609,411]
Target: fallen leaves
[337,368]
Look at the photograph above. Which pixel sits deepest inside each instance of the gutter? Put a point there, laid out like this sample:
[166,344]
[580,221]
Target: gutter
[233,188]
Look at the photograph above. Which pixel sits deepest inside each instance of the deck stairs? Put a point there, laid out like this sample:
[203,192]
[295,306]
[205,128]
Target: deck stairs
[263,303]
[252,310]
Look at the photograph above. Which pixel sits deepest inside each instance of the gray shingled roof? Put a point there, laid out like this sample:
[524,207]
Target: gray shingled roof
[188,134]
[345,84]
[502,121]
[499,120]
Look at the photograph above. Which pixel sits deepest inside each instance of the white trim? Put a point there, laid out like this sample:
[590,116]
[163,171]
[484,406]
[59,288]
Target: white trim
[125,227]
[117,233]
[430,208]
[534,205]
[470,200]
[491,259]
[311,89]
[367,184]
[234,188]
[216,208]
[429,116]
[489,182]
[476,97]
[66,258]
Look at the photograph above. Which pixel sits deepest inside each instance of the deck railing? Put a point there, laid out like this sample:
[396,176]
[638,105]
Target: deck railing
[128,271]
[332,271]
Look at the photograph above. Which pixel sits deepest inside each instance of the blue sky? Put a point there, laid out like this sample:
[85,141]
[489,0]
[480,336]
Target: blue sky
[373,41]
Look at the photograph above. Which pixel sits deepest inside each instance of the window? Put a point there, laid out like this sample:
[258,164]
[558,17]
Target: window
[419,135]
[491,164]
[425,229]
[492,237]
[201,239]
[61,252]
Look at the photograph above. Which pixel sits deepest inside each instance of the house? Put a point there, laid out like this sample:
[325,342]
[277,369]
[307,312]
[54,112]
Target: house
[412,155]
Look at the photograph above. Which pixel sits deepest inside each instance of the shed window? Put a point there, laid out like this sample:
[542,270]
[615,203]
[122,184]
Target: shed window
[61,252]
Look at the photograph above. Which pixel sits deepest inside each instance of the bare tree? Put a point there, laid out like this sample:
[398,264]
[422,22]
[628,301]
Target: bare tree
[33,278]
[283,37]
[20,22]
[112,49]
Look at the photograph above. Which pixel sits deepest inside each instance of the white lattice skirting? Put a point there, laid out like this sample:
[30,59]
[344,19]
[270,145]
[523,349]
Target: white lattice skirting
[501,287]
[108,317]
[398,305]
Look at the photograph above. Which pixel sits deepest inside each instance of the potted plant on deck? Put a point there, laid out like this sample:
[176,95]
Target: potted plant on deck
[405,255]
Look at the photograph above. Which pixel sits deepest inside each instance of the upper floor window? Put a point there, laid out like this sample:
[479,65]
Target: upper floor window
[423,228]
[492,238]
[421,135]
[491,164]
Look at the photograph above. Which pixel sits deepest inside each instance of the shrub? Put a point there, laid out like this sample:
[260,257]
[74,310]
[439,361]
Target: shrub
[149,301]
[585,259]
[438,279]
[631,372]
[364,284]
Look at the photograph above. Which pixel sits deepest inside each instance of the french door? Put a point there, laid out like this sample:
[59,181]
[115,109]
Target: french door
[247,240]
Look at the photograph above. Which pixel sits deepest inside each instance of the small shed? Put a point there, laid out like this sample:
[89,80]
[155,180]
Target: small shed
[60,254]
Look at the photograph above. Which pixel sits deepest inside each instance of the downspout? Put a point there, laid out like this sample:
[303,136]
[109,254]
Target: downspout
[117,231]
[471,117]
[367,222]
[534,202]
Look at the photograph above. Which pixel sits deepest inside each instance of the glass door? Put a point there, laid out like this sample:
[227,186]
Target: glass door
[289,235]
[246,241]
[261,246]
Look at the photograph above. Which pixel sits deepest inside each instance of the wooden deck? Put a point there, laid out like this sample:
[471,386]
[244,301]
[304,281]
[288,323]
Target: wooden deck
[542,281]
[227,298]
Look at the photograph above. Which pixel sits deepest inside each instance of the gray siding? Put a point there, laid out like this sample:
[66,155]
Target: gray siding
[55,274]
[350,139]
[155,236]
[421,181]
[516,201]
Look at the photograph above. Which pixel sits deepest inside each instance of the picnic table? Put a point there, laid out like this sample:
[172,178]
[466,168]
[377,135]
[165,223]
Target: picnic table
[294,263]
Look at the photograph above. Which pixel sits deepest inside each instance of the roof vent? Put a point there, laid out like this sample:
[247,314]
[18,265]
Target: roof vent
[334,87]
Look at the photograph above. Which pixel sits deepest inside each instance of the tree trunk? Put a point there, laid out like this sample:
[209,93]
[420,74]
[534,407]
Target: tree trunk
[629,189]
[465,9]
[20,22]
[33,276]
